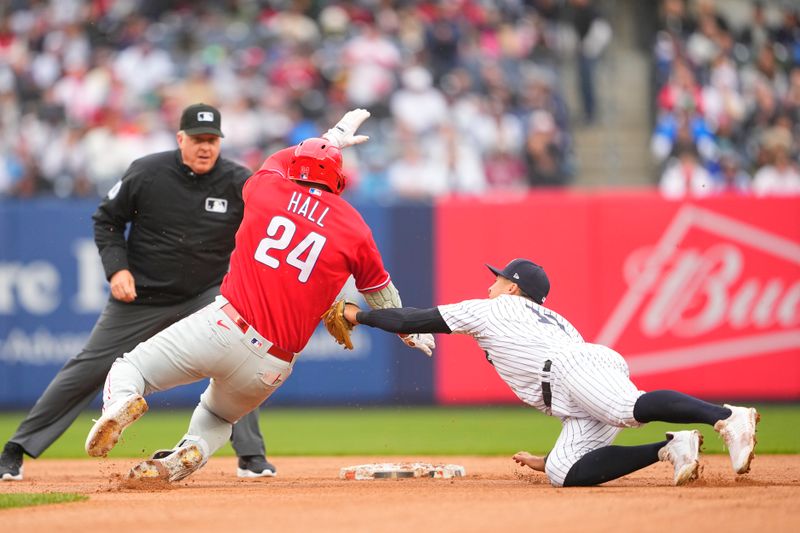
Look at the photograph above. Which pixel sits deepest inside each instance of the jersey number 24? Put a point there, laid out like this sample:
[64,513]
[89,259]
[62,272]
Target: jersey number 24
[310,246]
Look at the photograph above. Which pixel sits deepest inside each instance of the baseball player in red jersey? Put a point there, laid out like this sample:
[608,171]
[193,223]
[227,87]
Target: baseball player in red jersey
[298,243]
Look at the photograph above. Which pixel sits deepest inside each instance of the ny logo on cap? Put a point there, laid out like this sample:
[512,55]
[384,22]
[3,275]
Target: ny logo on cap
[205,116]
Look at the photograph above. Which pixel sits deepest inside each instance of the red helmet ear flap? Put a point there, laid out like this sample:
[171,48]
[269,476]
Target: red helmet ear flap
[317,161]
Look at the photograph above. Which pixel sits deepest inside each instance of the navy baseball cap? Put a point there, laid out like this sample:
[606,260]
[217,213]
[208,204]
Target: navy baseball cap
[530,277]
[199,119]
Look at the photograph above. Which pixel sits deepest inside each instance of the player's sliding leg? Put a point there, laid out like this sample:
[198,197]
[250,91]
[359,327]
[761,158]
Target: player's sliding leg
[240,382]
[214,430]
[736,425]
[123,405]
[189,455]
[207,434]
[226,400]
[154,365]
[583,455]
[222,403]
[598,385]
[682,449]
[677,408]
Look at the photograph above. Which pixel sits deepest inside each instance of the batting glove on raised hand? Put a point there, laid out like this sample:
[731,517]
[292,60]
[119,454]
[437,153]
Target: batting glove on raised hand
[343,133]
[421,341]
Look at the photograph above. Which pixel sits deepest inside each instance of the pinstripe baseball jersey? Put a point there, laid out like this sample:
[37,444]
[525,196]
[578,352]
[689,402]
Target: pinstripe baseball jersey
[517,335]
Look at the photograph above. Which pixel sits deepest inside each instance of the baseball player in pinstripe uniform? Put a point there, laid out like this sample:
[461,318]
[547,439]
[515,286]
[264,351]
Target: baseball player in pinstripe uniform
[546,362]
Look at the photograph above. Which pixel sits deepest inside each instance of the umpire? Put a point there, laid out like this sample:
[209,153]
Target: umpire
[183,207]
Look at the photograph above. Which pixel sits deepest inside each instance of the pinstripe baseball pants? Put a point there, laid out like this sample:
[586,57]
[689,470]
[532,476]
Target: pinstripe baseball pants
[594,397]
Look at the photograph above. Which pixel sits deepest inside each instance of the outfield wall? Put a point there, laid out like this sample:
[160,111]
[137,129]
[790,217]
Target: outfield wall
[52,288]
[699,296]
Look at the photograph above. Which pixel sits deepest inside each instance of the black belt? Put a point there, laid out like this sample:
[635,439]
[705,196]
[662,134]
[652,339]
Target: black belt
[547,393]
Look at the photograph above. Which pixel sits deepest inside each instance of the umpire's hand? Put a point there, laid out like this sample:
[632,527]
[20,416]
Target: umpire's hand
[123,287]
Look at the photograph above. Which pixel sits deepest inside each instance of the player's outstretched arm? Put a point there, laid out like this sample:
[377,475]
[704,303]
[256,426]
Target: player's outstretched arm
[388,297]
[407,322]
[398,320]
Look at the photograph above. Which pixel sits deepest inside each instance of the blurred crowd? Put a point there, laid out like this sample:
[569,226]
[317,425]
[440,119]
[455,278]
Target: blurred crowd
[465,95]
[728,100]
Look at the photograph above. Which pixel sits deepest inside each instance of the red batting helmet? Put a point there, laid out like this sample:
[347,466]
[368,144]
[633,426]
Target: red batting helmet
[317,161]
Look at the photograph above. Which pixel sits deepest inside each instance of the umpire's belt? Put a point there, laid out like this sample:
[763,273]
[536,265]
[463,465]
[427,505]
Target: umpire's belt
[241,323]
[547,392]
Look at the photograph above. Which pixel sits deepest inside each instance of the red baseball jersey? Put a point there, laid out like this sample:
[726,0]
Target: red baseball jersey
[278,162]
[295,249]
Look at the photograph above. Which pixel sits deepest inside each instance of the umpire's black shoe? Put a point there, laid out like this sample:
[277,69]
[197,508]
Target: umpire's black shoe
[11,462]
[255,466]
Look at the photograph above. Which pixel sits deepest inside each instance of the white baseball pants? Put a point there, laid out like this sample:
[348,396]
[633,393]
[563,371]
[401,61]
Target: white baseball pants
[206,344]
[594,398]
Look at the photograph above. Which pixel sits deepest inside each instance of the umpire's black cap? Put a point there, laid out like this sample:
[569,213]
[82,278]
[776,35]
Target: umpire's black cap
[530,277]
[199,119]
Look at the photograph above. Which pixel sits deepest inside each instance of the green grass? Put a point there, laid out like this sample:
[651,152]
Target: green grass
[403,431]
[26,499]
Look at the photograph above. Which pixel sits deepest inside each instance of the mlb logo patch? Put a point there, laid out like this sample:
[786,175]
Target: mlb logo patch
[315,192]
[257,343]
[205,116]
[216,205]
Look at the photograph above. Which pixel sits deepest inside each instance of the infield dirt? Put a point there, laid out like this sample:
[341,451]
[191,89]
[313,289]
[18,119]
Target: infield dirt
[496,495]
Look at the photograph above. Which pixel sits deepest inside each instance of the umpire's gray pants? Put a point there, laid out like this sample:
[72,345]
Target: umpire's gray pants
[119,329]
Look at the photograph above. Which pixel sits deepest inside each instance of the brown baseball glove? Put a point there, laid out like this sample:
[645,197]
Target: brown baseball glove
[337,325]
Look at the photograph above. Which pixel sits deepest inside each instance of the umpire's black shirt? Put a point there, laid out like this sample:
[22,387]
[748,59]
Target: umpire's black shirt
[182,226]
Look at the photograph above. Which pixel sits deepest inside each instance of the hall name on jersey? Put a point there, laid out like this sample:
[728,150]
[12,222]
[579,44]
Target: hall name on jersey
[306,206]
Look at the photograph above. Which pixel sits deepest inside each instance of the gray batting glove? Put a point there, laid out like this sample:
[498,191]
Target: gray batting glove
[421,341]
[343,133]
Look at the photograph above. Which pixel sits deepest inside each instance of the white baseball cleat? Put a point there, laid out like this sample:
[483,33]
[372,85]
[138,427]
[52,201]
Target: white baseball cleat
[683,451]
[739,433]
[106,431]
[185,459]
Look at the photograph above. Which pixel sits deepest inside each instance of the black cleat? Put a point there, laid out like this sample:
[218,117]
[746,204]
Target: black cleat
[11,462]
[255,466]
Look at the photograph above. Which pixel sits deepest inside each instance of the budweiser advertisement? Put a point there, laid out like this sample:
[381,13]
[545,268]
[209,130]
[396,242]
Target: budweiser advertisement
[701,297]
